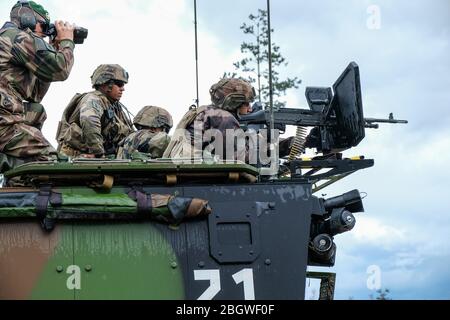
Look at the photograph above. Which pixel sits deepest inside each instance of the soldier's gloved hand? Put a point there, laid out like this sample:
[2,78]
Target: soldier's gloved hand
[64,30]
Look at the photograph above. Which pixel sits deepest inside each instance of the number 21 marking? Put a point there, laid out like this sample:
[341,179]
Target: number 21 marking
[213,275]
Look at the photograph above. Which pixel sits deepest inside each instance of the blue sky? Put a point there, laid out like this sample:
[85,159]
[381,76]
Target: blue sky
[404,69]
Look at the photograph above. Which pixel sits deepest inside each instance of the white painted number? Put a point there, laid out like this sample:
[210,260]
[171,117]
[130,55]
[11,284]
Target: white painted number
[214,282]
[245,276]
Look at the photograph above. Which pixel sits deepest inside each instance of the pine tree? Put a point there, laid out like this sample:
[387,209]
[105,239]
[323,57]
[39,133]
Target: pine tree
[255,66]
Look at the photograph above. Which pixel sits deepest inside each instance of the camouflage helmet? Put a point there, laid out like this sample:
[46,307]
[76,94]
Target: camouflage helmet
[230,93]
[153,117]
[107,72]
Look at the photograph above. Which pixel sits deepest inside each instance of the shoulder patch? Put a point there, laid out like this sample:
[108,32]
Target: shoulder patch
[42,45]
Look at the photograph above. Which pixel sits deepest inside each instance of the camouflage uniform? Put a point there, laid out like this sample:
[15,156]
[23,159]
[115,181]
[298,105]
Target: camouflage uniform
[153,144]
[212,117]
[92,123]
[145,140]
[28,65]
[227,96]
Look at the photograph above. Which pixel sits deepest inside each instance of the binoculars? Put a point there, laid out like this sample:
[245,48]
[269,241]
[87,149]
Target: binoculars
[79,33]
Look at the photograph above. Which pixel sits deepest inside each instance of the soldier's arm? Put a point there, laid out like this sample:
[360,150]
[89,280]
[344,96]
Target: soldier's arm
[42,59]
[91,112]
[222,121]
[158,144]
[128,146]
[229,122]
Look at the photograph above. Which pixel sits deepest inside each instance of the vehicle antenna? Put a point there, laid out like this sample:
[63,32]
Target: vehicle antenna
[269,31]
[196,52]
[273,147]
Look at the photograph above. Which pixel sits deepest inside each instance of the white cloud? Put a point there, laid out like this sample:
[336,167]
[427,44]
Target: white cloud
[408,260]
[407,204]
[372,231]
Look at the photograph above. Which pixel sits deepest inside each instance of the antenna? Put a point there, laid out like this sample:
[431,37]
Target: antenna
[269,31]
[273,147]
[196,52]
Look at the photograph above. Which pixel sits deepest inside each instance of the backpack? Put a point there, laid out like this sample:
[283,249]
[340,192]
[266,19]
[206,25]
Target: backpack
[180,144]
[70,134]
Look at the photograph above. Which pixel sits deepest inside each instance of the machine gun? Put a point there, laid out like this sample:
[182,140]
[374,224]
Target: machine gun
[337,120]
[338,124]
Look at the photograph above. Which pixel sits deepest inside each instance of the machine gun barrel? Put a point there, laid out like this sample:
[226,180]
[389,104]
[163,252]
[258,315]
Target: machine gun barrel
[372,122]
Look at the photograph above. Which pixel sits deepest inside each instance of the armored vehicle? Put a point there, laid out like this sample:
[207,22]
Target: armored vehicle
[171,229]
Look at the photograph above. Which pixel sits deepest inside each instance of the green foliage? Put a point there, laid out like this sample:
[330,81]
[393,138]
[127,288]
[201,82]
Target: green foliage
[382,295]
[255,66]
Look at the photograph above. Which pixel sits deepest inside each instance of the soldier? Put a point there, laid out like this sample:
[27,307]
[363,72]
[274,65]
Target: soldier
[230,98]
[95,123]
[153,124]
[28,65]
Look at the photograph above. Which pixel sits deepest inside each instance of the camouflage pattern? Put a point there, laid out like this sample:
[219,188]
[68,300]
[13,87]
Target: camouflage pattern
[200,120]
[162,207]
[230,93]
[8,162]
[35,114]
[147,141]
[24,141]
[151,143]
[37,265]
[107,72]
[28,65]
[213,118]
[154,117]
[27,285]
[95,126]
[221,120]
[227,96]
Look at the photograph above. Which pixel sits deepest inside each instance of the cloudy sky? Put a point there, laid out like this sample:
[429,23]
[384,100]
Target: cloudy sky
[402,49]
